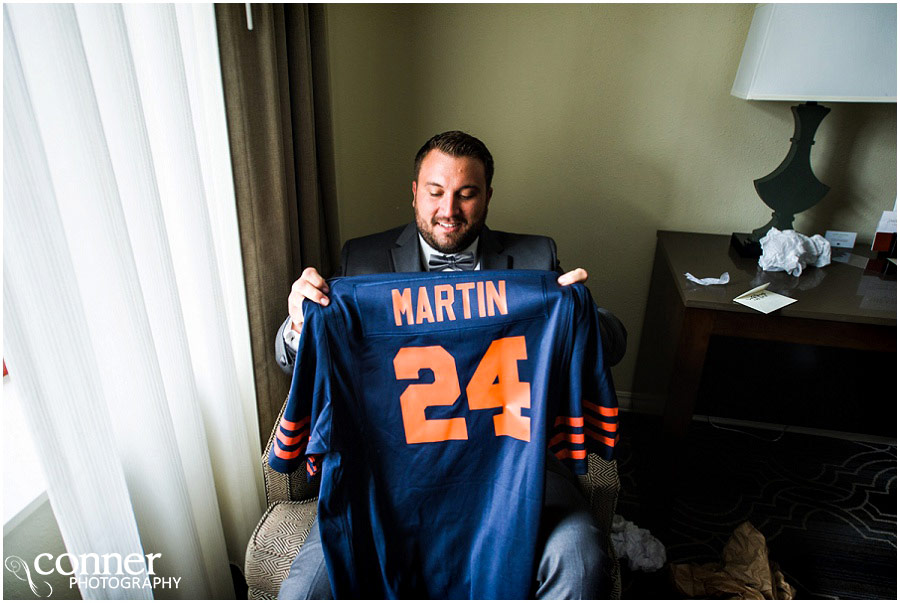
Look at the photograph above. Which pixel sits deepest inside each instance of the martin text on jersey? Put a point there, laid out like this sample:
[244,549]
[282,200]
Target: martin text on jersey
[460,301]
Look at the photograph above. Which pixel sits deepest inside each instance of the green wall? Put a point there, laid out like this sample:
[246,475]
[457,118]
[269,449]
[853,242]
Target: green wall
[33,532]
[606,122]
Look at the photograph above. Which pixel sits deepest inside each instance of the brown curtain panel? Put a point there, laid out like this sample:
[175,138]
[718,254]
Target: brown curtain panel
[276,103]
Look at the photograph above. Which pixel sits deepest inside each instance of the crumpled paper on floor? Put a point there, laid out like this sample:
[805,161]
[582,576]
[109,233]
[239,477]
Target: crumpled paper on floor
[745,573]
[791,251]
[644,552]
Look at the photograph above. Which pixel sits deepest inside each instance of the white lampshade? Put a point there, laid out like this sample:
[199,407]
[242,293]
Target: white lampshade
[820,52]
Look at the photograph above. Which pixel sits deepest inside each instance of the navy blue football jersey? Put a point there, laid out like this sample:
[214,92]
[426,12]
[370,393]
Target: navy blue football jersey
[428,401]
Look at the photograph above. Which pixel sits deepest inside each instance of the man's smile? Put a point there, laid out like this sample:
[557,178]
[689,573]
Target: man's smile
[450,226]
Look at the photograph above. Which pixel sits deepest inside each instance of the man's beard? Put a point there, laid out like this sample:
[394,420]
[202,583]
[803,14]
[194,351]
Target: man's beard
[455,243]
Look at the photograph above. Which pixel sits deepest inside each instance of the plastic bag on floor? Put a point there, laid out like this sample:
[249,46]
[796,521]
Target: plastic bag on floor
[644,552]
[746,572]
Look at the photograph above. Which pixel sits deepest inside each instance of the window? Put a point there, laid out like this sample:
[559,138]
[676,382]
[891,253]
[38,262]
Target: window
[23,478]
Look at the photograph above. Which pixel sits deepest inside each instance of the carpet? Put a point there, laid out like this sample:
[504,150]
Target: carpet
[826,506]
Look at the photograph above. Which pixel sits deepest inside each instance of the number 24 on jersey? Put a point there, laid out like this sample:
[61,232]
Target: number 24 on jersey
[495,384]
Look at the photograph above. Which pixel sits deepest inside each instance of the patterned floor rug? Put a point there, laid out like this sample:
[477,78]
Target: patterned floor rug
[826,506]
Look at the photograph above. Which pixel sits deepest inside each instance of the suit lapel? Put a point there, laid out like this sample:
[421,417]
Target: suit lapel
[406,252]
[492,256]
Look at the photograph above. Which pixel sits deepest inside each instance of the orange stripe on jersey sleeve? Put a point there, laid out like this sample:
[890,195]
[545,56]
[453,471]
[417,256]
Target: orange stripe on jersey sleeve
[290,441]
[610,427]
[284,454]
[570,421]
[565,453]
[601,438]
[573,438]
[293,425]
[601,410]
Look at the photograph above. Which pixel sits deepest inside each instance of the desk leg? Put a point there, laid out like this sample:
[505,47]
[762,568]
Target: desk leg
[684,383]
[664,477]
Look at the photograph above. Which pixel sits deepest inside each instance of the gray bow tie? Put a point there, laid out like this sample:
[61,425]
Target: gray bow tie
[456,261]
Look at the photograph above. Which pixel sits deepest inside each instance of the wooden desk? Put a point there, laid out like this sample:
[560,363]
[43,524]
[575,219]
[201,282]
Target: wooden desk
[839,305]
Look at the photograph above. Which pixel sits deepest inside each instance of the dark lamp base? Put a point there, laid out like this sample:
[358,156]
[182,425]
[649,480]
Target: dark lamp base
[745,245]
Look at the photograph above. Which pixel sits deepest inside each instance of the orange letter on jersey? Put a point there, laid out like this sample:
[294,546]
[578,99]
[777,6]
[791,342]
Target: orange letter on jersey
[402,305]
[444,302]
[500,362]
[479,290]
[423,307]
[496,298]
[465,289]
[419,396]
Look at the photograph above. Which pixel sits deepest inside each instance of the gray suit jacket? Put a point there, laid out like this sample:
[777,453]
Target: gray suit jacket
[397,250]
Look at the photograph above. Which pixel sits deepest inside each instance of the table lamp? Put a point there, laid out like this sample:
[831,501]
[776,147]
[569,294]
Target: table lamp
[811,53]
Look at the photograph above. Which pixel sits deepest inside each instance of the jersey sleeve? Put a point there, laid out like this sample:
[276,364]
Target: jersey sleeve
[589,412]
[304,432]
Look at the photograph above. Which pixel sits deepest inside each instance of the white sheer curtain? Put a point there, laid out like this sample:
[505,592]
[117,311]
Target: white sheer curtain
[123,293]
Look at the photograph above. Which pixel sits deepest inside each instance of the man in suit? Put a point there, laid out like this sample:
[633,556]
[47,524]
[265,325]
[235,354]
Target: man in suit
[451,193]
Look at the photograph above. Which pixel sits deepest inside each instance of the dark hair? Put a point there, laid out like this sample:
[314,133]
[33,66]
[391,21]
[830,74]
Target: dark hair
[458,144]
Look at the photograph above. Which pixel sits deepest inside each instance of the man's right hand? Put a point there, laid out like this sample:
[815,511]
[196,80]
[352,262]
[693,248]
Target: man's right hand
[311,286]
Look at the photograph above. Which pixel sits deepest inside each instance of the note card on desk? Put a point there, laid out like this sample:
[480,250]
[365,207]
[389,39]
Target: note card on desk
[763,300]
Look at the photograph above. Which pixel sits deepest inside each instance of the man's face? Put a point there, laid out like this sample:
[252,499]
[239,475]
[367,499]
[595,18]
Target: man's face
[451,199]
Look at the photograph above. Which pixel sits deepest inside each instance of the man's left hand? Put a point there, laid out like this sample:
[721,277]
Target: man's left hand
[579,275]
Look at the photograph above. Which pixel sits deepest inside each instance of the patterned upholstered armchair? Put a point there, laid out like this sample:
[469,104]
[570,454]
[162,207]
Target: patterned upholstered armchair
[292,508]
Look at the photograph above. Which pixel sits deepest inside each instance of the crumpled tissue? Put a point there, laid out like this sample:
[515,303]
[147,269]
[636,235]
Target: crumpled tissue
[643,550]
[791,251]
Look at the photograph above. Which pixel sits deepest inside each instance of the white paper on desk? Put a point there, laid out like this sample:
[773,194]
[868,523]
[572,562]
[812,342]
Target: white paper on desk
[888,222]
[840,238]
[763,300]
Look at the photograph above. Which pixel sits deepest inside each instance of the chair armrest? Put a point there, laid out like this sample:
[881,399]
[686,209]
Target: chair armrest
[274,544]
[601,488]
